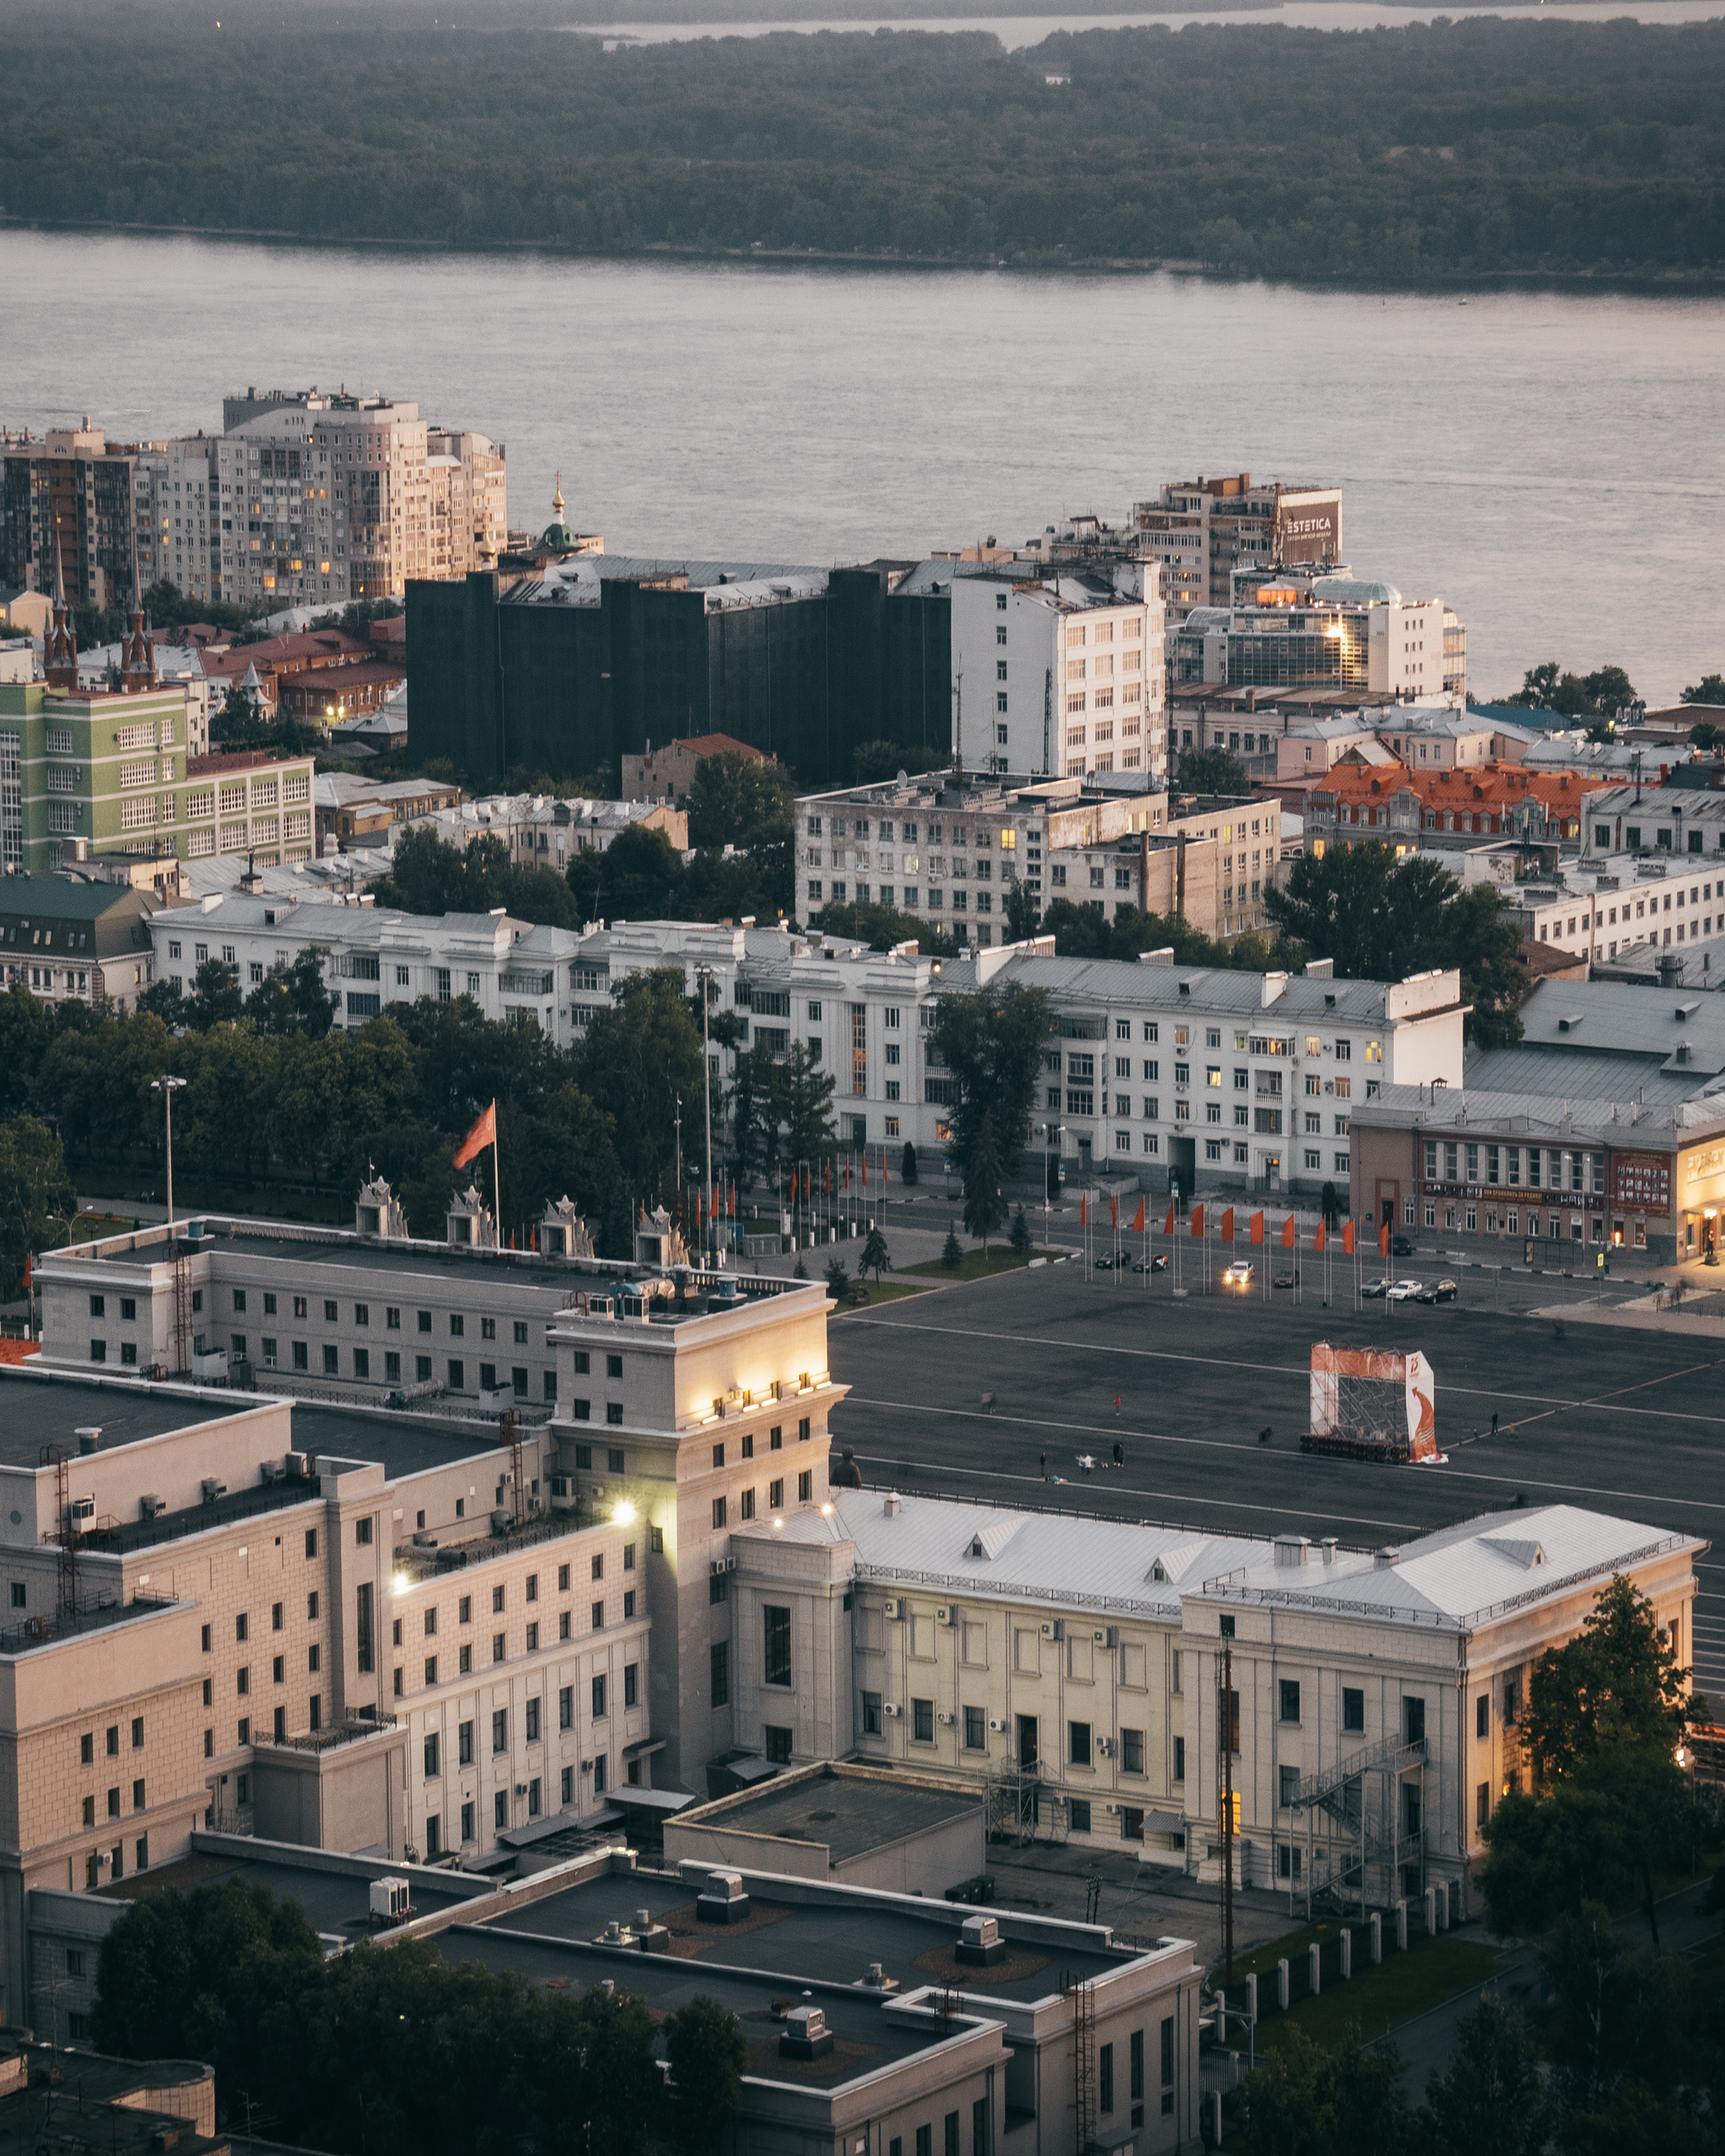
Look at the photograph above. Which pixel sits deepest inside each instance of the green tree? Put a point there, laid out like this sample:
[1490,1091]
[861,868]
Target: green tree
[1493,2101]
[992,1041]
[1212,771]
[637,1058]
[882,927]
[216,999]
[1707,735]
[735,801]
[1020,1233]
[1329,1204]
[952,1250]
[1021,912]
[751,1110]
[802,1102]
[1617,1682]
[1609,688]
[293,998]
[907,1166]
[639,877]
[1306,2100]
[26,1033]
[838,1281]
[704,2042]
[876,1259]
[37,1198]
[873,762]
[1709,690]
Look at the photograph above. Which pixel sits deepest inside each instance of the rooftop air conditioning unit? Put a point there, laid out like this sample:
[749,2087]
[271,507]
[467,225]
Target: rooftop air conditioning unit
[211,1489]
[996,1724]
[892,1710]
[390,1899]
[149,1506]
[1053,1627]
[1105,1746]
[293,1464]
[270,1471]
[83,1508]
[893,1607]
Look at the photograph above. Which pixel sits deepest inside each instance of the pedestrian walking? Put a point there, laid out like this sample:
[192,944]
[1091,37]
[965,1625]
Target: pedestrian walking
[1494,1422]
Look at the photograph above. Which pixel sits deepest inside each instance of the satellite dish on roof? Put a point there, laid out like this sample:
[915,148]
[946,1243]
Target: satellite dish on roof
[904,777]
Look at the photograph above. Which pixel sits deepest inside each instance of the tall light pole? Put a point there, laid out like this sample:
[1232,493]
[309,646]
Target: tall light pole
[1049,1130]
[704,975]
[168,1087]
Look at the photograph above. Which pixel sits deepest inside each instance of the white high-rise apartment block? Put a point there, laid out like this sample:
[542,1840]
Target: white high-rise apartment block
[1065,672]
[333,498]
[176,511]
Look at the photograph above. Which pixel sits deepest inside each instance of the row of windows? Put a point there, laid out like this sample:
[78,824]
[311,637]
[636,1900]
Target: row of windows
[361,1316]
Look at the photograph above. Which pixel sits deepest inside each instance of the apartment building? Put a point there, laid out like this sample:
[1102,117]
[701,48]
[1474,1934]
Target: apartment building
[929,845]
[1070,1669]
[374,957]
[1066,671]
[338,1627]
[1415,811]
[325,498]
[1684,822]
[71,938]
[1201,532]
[1210,862]
[543,831]
[67,516]
[1605,907]
[86,771]
[176,517]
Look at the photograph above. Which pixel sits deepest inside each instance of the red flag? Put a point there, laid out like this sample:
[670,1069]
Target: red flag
[1288,1233]
[1228,1225]
[884,1176]
[1114,1212]
[865,1167]
[1138,1222]
[1322,1238]
[1168,1224]
[847,1172]
[1257,1227]
[1384,1240]
[29,1269]
[1348,1238]
[1084,1212]
[483,1134]
[1197,1223]
[734,1201]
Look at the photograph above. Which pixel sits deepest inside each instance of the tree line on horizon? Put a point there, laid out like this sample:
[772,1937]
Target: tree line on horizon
[1470,147]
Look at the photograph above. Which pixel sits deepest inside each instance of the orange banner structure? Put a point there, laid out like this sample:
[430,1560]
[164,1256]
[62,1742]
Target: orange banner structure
[1228,1223]
[1138,1219]
[1371,1403]
[1197,1223]
[1168,1224]
[1321,1240]
[1290,1227]
[1348,1238]
[1384,1240]
[1257,1227]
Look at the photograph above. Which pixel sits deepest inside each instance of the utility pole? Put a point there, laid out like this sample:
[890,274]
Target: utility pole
[704,975]
[1225,1783]
[168,1087]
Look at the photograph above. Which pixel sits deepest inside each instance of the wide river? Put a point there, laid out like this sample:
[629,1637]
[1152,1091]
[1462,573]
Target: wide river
[1553,465]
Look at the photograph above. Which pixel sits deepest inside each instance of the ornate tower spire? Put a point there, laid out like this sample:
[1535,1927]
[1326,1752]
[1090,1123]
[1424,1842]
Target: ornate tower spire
[61,657]
[137,657]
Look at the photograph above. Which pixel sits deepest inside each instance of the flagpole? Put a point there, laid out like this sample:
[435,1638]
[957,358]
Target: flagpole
[496,1174]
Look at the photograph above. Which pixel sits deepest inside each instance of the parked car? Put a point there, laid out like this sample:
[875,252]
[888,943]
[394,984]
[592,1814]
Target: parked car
[1286,1280]
[1238,1274]
[1402,1291]
[1157,1261]
[1105,1262]
[1378,1288]
[1403,1246]
[1438,1291]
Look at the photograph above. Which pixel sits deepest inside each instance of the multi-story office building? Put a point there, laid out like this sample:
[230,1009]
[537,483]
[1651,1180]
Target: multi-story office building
[1072,1668]
[1202,530]
[326,498]
[1249,1081]
[1317,630]
[1604,907]
[85,771]
[1065,672]
[67,513]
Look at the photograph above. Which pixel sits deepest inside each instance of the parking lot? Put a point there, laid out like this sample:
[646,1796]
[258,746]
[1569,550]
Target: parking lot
[1076,1361]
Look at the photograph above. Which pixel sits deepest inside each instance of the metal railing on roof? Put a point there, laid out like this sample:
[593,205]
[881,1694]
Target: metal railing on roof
[1079,1512]
[199,1519]
[351,1730]
[93,1614]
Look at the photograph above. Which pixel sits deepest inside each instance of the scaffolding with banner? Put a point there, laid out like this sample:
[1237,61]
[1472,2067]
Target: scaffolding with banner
[1371,1403]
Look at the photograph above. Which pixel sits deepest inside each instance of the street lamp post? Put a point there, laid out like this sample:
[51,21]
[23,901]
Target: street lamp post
[704,975]
[168,1087]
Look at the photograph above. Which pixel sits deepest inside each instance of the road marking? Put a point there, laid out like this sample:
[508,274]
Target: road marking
[1161,1496]
[1551,1403]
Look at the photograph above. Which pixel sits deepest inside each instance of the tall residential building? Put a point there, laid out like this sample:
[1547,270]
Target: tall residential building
[332,498]
[1201,531]
[68,494]
[1066,671]
[178,518]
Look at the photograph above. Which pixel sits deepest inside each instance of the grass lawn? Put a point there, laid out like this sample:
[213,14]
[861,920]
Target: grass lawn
[973,1266]
[1375,1999]
[888,1291]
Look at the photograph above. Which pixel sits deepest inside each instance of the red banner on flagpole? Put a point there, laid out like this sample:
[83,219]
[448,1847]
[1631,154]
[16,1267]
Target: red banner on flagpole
[1197,1223]
[483,1134]
[1322,1238]
[1288,1232]
[1348,1238]
[1228,1225]
[1138,1223]
[1084,1212]
[1257,1227]
[1384,1240]
[1113,1211]
[1168,1224]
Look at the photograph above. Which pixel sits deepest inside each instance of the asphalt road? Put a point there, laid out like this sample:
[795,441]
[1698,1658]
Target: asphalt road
[1614,1420]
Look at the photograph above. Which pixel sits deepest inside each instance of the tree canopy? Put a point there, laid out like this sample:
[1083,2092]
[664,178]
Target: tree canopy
[992,1040]
[1709,690]
[1607,689]
[431,876]
[1380,919]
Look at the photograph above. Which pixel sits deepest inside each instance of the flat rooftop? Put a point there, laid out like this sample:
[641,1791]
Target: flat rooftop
[868,2035]
[828,1939]
[39,1407]
[336,1903]
[848,1814]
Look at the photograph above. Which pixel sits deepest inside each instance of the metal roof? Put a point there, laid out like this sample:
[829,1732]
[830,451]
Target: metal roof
[1208,989]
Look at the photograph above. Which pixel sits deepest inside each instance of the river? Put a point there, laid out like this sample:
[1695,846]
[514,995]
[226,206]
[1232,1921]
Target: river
[1551,463]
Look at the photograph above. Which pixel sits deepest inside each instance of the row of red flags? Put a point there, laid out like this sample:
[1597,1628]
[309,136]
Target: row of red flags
[1255,1226]
[724,1204]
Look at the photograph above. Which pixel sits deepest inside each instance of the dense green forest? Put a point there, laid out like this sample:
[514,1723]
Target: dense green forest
[1453,148]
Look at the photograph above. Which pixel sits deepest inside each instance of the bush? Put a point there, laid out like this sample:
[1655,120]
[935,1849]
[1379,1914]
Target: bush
[952,1252]
[1021,1232]
[907,1171]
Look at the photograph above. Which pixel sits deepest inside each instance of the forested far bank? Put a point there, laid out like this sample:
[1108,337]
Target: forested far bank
[1478,148]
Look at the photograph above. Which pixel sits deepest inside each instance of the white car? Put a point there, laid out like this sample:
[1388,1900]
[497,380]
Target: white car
[1238,1274]
[1403,1291]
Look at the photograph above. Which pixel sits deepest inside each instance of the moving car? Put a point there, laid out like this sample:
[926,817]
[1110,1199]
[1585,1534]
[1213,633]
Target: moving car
[1105,1262]
[1402,1291]
[1438,1291]
[1378,1288]
[1238,1274]
[1286,1280]
[1403,1246]
[1157,1261]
